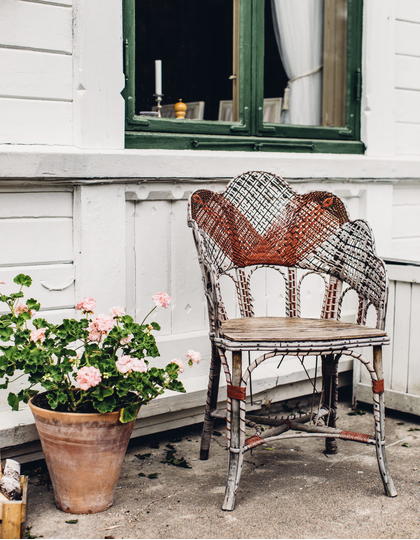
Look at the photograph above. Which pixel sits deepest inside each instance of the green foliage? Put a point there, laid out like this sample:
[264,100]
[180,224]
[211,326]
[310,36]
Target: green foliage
[53,356]
[129,413]
[23,280]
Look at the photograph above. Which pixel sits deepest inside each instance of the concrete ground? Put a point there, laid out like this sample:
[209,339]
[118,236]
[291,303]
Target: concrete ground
[288,490]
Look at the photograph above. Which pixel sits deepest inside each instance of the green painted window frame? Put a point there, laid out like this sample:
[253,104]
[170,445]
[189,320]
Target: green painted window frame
[249,133]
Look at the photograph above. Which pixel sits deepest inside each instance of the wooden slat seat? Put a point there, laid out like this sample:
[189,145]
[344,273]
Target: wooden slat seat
[295,329]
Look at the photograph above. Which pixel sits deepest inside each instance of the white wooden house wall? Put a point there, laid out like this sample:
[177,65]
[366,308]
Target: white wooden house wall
[83,216]
[36,67]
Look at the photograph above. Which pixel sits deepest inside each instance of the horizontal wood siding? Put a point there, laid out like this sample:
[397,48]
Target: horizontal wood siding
[407,10]
[36,229]
[31,121]
[406,105]
[35,25]
[36,68]
[36,75]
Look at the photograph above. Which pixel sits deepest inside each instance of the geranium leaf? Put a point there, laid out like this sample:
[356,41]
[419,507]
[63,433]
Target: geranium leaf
[23,279]
[129,413]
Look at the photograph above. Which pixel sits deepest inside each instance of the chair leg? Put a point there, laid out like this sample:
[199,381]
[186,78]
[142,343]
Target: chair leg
[235,426]
[379,416]
[330,395]
[211,403]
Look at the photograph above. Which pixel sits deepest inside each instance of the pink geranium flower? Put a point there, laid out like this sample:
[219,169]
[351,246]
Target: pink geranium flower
[179,363]
[88,377]
[127,363]
[94,336]
[99,327]
[22,308]
[38,335]
[193,357]
[138,364]
[117,311]
[162,299]
[103,324]
[126,340]
[123,363]
[87,304]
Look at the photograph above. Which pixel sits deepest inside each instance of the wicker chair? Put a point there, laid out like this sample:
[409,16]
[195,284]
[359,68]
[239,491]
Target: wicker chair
[260,221]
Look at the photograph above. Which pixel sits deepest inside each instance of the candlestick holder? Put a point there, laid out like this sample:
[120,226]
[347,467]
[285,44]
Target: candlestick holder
[158,99]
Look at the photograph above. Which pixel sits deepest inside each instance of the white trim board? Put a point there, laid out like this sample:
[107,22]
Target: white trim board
[49,162]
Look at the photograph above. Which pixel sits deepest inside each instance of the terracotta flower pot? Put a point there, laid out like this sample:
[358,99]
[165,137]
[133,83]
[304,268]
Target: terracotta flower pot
[84,455]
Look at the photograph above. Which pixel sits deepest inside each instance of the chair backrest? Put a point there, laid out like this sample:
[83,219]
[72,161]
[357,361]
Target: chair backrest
[261,221]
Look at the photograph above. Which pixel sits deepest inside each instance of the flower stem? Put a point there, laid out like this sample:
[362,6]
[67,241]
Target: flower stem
[150,312]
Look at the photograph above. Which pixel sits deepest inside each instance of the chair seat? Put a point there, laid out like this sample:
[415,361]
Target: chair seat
[290,329]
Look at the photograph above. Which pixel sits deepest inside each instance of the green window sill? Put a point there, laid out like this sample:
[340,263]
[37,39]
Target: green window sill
[135,139]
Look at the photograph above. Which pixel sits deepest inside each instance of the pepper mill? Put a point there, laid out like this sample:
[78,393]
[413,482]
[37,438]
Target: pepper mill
[180,109]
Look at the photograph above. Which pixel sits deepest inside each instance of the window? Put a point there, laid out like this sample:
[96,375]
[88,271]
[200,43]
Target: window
[275,75]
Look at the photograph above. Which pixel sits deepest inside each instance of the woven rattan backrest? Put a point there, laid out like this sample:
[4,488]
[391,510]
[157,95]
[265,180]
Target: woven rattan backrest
[260,220]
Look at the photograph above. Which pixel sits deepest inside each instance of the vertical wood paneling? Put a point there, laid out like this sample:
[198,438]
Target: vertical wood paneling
[401,336]
[275,294]
[100,244]
[413,375]
[389,325]
[130,270]
[311,295]
[187,288]
[153,259]
[259,291]
[230,299]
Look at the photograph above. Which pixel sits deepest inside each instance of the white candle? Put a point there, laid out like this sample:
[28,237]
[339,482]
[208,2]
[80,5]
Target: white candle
[158,77]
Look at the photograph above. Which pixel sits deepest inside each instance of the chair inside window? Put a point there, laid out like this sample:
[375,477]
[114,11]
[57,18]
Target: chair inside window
[272,110]
[261,222]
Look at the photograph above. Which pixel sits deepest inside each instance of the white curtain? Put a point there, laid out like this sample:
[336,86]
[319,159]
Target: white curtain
[298,25]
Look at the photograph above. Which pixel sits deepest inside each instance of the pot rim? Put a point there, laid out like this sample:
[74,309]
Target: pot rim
[40,411]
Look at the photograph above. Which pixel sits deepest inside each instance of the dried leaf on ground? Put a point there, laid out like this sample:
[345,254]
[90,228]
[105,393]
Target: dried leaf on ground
[172,459]
[143,456]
